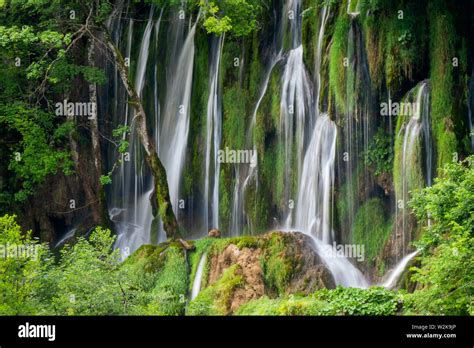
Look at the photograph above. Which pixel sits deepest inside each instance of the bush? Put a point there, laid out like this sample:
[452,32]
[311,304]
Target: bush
[446,275]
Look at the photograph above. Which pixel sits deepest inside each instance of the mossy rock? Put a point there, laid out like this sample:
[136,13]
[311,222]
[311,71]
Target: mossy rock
[216,299]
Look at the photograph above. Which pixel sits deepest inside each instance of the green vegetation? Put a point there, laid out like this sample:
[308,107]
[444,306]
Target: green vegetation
[337,66]
[277,267]
[214,300]
[412,171]
[380,153]
[445,277]
[239,17]
[340,301]
[442,51]
[395,41]
[19,278]
[371,228]
[88,278]
[50,157]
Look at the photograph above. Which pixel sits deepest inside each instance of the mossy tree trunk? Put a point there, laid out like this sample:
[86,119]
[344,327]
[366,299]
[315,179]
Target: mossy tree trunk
[161,190]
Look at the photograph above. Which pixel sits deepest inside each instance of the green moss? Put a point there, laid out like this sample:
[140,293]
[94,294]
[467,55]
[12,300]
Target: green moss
[442,51]
[395,41]
[371,228]
[225,194]
[337,70]
[310,29]
[234,103]
[215,299]
[404,44]
[278,267]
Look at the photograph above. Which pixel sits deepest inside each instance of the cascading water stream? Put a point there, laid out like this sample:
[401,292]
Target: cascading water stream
[198,277]
[317,181]
[213,138]
[316,168]
[174,129]
[419,124]
[132,212]
[133,220]
[295,107]
[353,8]
[68,235]
[395,274]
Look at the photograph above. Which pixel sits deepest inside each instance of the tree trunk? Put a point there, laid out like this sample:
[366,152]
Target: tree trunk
[158,170]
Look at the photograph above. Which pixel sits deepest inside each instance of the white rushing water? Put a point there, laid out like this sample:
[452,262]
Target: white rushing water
[419,124]
[315,163]
[294,113]
[133,218]
[213,138]
[175,118]
[317,182]
[343,271]
[131,208]
[395,274]
[198,277]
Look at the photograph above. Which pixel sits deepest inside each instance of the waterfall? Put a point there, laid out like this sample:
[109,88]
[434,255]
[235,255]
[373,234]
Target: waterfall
[295,102]
[317,182]
[131,209]
[344,272]
[316,172]
[133,218]
[313,210]
[175,122]
[213,137]
[295,107]
[411,167]
[395,274]
[198,277]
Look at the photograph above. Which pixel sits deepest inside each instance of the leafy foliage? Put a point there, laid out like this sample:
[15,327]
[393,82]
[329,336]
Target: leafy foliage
[380,153]
[36,152]
[20,265]
[446,275]
[239,17]
[340,301]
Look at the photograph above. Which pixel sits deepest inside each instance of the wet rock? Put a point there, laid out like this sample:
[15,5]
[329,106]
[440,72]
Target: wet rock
[214,233]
